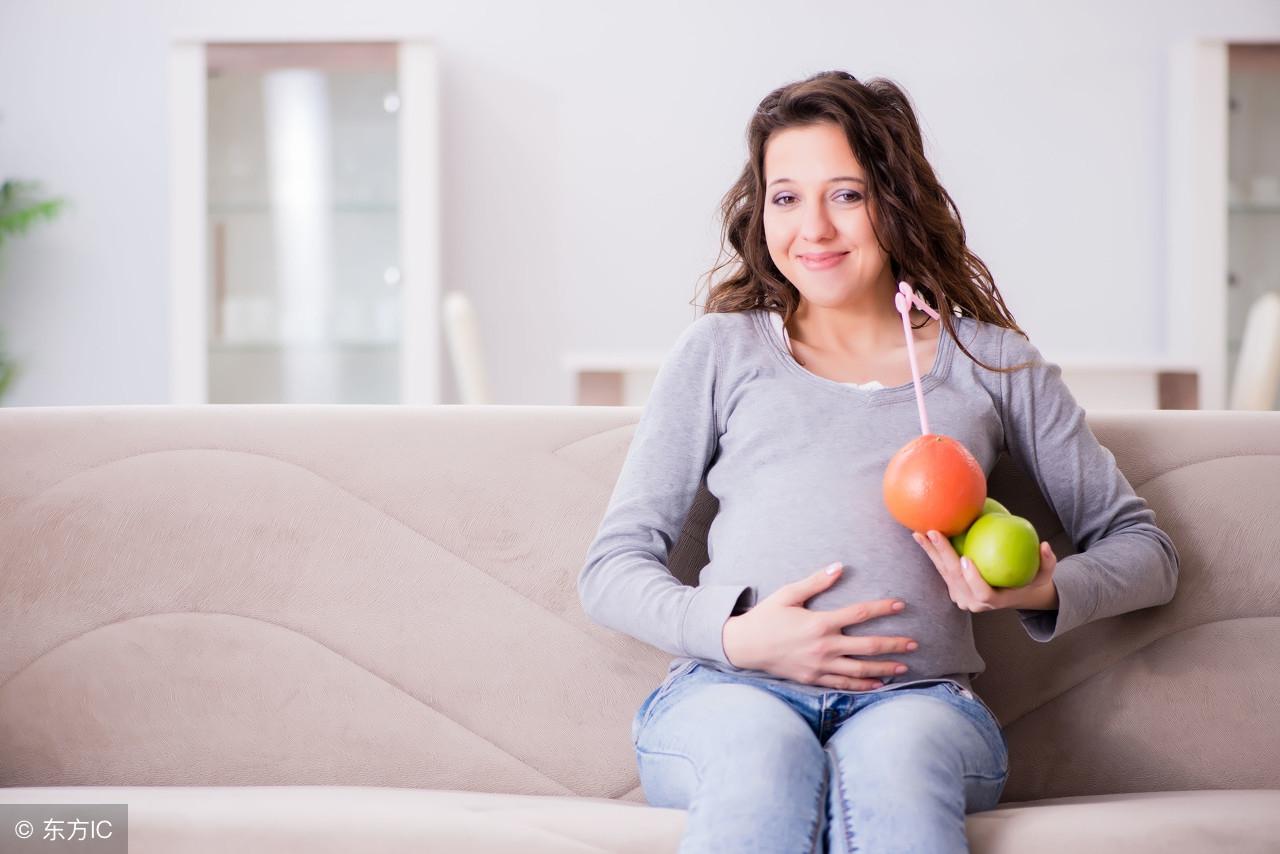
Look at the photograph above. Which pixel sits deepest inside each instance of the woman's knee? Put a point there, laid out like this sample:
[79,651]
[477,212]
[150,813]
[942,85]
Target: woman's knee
[917,733]
[731,731]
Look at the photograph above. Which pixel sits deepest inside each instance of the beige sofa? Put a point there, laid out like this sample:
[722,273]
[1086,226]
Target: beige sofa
[317,629]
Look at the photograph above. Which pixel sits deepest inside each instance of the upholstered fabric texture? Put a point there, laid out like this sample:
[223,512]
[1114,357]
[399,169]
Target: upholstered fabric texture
[385,596]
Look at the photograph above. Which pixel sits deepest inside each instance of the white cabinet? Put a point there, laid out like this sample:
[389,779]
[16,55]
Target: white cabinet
[1253,184]
[305,237]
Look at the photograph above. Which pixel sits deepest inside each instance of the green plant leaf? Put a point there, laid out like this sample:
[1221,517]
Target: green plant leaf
[8,369]
[21,207]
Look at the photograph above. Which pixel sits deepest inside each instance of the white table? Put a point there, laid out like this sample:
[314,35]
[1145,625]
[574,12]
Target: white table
[623,378]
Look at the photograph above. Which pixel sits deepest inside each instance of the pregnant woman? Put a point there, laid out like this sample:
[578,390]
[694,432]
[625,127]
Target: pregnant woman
[820,697]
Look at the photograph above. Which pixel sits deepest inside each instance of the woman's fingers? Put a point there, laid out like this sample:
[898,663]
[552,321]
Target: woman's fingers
[873,645]
[945,561]
[851,664]
[964,585]
[860,612]
[799,592]
[844,683]
[982,592]
[857,667]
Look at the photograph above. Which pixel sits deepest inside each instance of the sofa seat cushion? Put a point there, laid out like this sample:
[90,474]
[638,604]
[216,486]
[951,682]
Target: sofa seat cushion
[323,819]
[1140,823]
[371,820]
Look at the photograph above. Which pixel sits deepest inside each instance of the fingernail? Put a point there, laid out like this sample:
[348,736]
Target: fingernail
[901,668]
[898,606]
[877,684]
[964,563]
[913,645]
[833,569]
[933,535]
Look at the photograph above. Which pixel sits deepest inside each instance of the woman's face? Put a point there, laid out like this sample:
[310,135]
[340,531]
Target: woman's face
[817,221]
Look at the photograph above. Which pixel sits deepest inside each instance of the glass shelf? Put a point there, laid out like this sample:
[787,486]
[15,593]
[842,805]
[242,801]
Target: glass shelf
[303,217]
[1253,193]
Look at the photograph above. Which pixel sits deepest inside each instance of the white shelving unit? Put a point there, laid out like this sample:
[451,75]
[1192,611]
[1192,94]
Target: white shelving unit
[1222,236]
[372,334]
[1253,184]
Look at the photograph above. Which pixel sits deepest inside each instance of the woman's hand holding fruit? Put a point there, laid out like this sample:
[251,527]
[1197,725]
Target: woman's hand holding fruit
[970,591]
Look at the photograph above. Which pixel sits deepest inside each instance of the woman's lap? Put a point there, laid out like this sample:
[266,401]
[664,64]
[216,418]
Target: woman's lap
[745,764]
[905,771]
[734,749]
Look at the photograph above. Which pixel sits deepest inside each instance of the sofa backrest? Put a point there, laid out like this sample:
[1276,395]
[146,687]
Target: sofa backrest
[308,595]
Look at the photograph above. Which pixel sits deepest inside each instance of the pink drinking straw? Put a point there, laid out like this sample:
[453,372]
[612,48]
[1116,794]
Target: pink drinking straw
[903,299]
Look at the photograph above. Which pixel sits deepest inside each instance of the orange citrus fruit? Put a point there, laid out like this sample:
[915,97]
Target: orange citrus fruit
[933,483]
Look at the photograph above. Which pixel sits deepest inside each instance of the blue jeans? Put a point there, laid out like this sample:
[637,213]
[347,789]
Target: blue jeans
[763,767]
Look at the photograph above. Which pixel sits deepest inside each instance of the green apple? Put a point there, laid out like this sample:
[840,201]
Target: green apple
[988,506]
[1004,548]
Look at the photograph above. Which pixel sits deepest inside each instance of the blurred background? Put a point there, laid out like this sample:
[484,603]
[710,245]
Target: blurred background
[514,202]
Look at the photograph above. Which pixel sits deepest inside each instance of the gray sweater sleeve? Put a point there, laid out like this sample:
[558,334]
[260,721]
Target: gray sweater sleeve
[625,584]
[1124,562]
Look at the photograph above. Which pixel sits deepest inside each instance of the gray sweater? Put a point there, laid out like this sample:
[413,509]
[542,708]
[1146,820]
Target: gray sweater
[796,462]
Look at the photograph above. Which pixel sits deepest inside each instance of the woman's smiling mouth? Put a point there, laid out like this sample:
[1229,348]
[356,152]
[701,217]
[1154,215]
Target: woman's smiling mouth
[821,260]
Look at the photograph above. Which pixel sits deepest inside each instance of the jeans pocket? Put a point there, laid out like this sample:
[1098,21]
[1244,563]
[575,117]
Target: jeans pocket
[960,691]
[992,723]
[651,702]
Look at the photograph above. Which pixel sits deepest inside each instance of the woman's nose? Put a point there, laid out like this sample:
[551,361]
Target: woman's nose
[816,225]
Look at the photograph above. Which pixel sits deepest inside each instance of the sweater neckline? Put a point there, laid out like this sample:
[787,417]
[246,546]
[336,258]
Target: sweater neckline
[874,396]
[780,331]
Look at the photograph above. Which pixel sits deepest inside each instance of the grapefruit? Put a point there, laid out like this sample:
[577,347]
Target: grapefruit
[933,483]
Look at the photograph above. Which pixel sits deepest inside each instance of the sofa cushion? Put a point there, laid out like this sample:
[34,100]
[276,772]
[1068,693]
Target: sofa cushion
[1245,820]
[322,819]
[371,820]
[384,597]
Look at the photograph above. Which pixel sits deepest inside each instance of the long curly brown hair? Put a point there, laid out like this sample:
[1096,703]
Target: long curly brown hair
[916,220]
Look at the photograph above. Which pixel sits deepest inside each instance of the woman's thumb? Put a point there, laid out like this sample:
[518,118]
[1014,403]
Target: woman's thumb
[806,588]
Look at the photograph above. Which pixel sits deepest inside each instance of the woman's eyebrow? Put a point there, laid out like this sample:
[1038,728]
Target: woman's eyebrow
[832,181]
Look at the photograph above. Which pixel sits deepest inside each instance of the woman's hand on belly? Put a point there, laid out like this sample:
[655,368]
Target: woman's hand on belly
[781,636]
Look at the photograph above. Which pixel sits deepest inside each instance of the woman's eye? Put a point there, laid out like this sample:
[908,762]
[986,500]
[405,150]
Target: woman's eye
[784,199]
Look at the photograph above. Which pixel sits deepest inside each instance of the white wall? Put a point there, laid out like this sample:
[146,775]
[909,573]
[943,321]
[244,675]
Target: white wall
[585,149]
